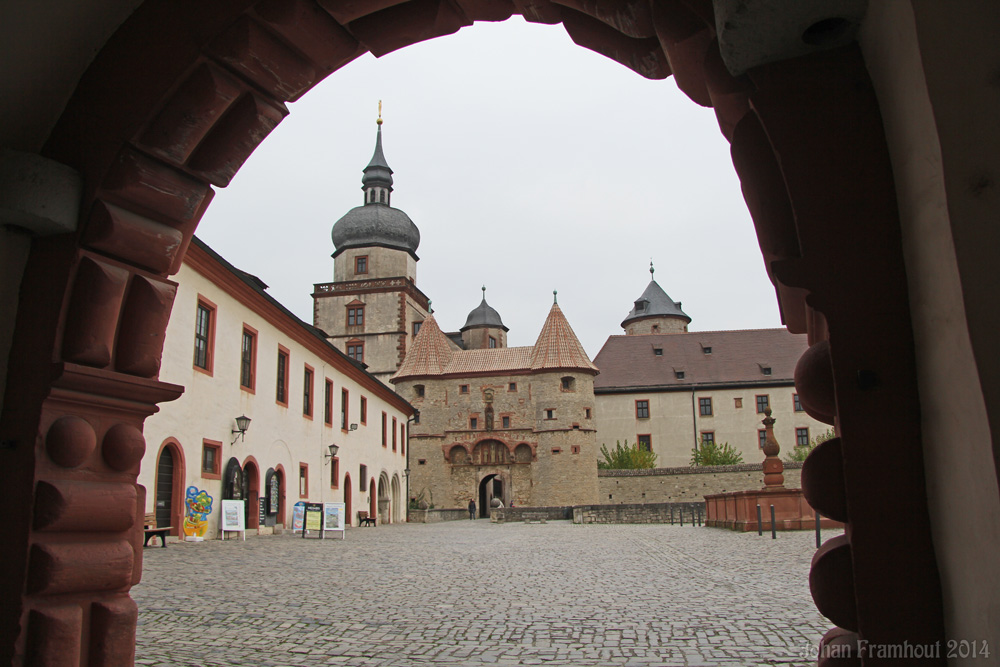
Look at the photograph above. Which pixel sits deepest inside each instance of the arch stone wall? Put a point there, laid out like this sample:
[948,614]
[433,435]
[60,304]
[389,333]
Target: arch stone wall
[181,95]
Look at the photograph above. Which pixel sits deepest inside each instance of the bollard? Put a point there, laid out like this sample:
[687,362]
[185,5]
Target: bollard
[817,531]
[774,534]
[680,513]
[760,523]
[671,515]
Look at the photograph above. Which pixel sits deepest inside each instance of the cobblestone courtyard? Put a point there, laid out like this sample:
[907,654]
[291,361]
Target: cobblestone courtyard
[475,593]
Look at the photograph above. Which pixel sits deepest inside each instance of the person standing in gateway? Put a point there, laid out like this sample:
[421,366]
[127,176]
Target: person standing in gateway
[472,509]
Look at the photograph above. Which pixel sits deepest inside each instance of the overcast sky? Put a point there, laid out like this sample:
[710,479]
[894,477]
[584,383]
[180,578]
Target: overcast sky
[529,164]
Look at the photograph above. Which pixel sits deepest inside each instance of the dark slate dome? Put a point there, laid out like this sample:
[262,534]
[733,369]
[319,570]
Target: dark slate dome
[484,316]
[375,225]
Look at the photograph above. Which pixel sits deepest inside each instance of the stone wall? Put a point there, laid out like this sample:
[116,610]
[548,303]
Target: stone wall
[436,516]
[682,513]
[678,485]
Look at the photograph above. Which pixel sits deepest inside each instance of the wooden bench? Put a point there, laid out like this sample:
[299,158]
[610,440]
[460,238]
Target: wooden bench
[534,516]
[365,520]
[150,530]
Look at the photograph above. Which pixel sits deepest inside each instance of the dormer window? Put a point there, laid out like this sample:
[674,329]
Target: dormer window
[678,374]
[658,351]
[766,370]
[706,349]
[640,305]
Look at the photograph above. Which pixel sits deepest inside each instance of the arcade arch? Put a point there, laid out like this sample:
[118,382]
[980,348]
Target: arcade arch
[807,142]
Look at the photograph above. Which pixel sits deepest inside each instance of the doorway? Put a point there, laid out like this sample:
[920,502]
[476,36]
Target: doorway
[164,487]
[489,488]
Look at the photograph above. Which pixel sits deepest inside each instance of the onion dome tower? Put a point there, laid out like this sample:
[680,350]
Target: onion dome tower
[655,312]
[372,309]
[483,328]
[375,223]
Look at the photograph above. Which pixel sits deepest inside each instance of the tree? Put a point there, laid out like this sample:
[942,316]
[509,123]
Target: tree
[800,453]
[626,458]
[711,454]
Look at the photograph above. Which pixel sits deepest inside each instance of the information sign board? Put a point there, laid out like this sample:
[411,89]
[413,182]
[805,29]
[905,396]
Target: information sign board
[333,517]
[298,516]
[232,519]
[313,518]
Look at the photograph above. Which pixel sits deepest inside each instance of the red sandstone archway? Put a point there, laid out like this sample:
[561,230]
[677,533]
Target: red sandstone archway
[808,146]
[251,480]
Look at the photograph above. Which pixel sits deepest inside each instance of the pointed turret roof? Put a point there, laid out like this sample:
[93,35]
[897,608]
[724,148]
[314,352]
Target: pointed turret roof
[654,302]
[377,172]
[557,346]
[429,354]
[484,315]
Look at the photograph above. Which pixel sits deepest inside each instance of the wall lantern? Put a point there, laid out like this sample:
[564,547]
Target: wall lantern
[333,451]
[242,424]
[354,427]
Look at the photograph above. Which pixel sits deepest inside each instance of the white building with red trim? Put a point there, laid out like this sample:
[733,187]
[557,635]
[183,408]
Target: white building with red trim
[239,353]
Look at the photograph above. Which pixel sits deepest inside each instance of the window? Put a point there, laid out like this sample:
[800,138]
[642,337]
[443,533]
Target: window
[656,328]
[416,327]
[281,388]
[211,459]
[473,423]
[706,349]
[762,402]
[796,403]
[204,335]
[550,414]
[385,427]
[344,395]
[766,370]
[334,473]
[708,437]
[642,409]
[493,342]
[307,391]
[356,350]
[761,438]
[575,449]
[248,359]
[802,437]
[645,442]
[393,434]
[418,389]
[679,375]
[738,402]
[705,406]
[355,316]
[463,389]
[363,408]
[567,383]
[363,473]
[512,386]
[328,402]
[361,264]
[303,480]
[586,413]
[505,421]
[402,437]
[658,351]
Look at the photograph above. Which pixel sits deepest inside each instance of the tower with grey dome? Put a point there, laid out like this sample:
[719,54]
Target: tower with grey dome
[372,308]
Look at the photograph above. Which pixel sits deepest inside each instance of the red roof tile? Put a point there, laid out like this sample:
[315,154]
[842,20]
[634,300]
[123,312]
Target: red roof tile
[736,357]
[429,354]
[557,346]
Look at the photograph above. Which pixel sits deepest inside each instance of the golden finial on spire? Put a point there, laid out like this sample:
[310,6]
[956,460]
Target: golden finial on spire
[379,121]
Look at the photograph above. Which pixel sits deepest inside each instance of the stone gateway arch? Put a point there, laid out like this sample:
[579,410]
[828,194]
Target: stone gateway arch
[866,144]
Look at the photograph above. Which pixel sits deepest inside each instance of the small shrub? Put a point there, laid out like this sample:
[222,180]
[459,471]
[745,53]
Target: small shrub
[626,458]
[711,454]
[800,453]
